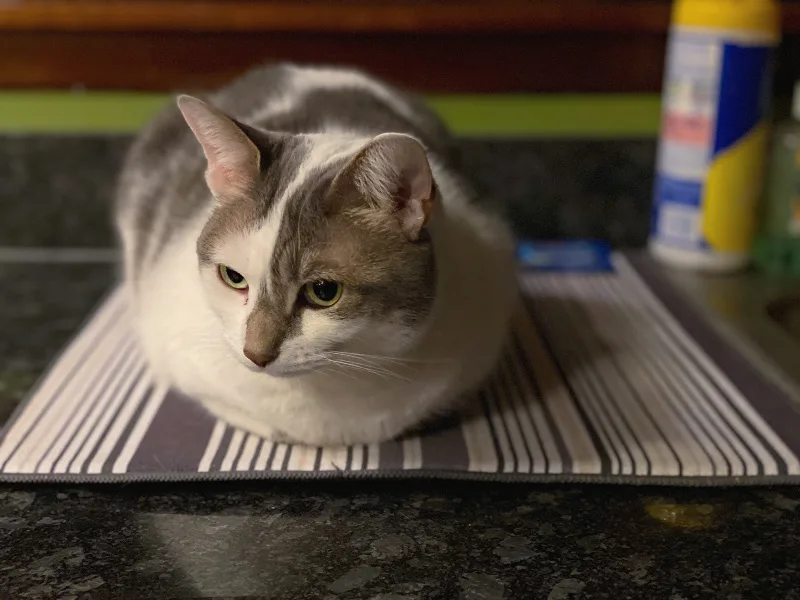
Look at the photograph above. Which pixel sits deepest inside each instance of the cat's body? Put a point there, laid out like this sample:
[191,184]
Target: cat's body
[425,279]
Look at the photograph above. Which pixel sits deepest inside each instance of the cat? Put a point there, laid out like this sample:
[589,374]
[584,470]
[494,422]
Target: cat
[302,260]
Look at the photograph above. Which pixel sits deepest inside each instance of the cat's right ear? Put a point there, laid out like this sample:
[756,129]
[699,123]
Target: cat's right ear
[233,159]
[391,174]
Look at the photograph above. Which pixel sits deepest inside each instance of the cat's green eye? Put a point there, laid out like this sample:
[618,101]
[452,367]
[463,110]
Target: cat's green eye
[232,278]
[322,293]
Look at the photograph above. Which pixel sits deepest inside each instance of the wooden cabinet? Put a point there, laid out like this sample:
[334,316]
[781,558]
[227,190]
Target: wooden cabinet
[434,46]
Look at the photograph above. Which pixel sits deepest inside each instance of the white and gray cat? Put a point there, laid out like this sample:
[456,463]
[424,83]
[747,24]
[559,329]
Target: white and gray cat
[303,262]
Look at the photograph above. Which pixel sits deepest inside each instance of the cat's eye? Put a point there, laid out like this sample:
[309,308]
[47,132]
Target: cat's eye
[322,293]
[232,278]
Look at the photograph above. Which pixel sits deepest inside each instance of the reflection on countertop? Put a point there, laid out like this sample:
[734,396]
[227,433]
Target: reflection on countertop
[744,307]
[398,541]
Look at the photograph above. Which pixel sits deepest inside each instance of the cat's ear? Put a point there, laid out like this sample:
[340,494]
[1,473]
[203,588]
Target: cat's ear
[233,159]
[393,173]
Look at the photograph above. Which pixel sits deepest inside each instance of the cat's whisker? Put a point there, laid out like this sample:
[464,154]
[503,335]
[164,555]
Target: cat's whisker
[377,367]
[368,368]
[326,371]
[395,359]
[336,368]
[365,361]
[341,371]
[361,367]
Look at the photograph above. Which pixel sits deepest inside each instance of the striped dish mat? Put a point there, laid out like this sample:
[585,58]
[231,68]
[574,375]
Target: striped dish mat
[609,377]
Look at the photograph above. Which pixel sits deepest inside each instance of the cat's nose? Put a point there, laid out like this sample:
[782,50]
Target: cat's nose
[260,359]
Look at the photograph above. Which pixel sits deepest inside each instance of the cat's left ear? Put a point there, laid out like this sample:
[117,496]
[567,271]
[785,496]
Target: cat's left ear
[233,159]
[393,174]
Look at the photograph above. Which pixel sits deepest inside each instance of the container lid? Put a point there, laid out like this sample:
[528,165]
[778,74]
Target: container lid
[758,16]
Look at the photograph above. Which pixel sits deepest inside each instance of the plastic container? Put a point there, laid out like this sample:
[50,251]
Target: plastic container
[781,210]
[778,246]
[714,132]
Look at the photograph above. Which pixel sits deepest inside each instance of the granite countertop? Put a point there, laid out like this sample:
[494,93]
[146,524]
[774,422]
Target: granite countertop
[355,540]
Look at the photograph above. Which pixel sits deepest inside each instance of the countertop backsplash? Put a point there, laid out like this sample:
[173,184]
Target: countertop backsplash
[56,190]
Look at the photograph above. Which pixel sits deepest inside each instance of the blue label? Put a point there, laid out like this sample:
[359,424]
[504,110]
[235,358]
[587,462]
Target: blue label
[577,255]
[676,213]
[678,191]
[744,92]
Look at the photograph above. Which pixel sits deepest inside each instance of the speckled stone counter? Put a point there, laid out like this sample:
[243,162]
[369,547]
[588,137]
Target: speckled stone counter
[387,541]
[358,540]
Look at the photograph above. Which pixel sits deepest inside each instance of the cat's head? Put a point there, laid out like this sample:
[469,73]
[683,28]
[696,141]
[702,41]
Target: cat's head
[317,248]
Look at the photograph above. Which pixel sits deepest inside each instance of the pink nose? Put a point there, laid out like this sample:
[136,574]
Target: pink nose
[260,359]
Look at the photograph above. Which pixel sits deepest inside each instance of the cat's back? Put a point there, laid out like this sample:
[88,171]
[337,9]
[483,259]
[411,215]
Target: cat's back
[299,99]
[312,99]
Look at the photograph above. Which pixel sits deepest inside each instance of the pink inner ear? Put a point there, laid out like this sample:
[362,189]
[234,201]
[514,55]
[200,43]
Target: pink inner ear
[232,166]
[402,195]
[395,170]
[413,215]
[225,181]
[410,176]
[233,159]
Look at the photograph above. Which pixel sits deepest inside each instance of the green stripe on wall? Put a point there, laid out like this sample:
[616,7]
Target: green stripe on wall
[606,116]
[586,115]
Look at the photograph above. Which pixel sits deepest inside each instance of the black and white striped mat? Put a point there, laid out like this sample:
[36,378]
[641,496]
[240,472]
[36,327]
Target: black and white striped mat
[610,377]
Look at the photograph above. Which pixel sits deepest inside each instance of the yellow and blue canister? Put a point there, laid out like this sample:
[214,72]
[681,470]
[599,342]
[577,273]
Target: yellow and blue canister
[714,131]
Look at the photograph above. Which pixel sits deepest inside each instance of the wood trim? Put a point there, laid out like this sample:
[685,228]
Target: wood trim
[348,16]
[436,46]
[345,16]
[457,63]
